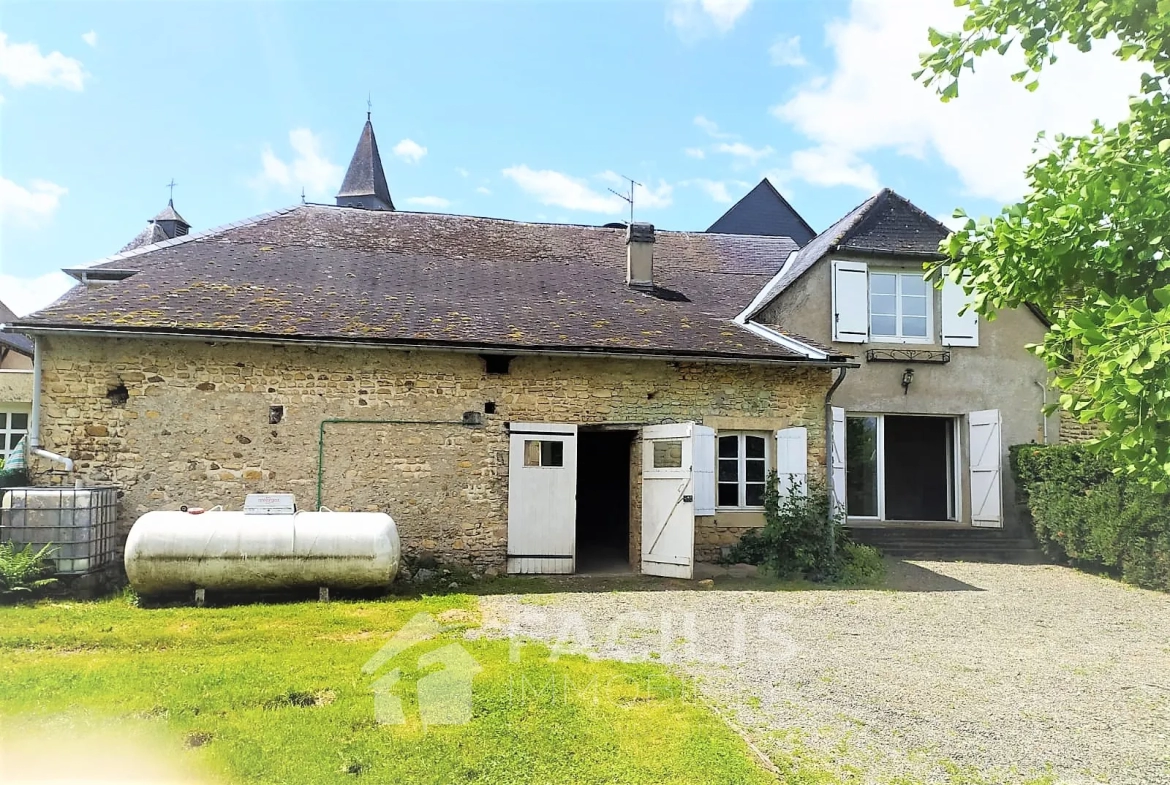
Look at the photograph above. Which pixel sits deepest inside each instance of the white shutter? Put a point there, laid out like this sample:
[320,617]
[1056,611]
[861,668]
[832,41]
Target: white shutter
[958,330]
[792,460]
[850,301]
[838,460]
[703,453]
[986,459]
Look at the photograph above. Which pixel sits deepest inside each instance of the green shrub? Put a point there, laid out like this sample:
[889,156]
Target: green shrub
[23,572]
[803,538]
[1086,514]
[13,478]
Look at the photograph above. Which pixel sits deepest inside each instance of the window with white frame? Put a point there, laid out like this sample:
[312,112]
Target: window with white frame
[743,470]
[899,306]
[13,427]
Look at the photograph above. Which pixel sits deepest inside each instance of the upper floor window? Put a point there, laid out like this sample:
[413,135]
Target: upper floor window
[894,304]
[899,306]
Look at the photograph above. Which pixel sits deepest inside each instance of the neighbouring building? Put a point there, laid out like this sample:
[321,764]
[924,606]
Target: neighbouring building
[16,362]
[537,397]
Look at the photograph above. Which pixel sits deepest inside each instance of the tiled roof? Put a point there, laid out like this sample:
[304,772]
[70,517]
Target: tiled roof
[21,343]
[894,225]
[886,224]
[365,176]
[329,273]
[764,211]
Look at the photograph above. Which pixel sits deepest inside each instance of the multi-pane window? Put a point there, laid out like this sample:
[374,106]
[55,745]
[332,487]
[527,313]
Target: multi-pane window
[13,427]
[899,306]
[743,468]
[544,453]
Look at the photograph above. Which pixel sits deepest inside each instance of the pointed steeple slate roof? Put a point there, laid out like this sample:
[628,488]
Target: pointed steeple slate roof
[764,211]
[365,180]
[169,213]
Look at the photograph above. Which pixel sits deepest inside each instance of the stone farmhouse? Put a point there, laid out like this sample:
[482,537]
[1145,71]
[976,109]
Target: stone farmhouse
[540,398]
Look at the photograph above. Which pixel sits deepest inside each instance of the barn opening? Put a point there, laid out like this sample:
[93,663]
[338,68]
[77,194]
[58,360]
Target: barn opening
[603,500]
[901,467]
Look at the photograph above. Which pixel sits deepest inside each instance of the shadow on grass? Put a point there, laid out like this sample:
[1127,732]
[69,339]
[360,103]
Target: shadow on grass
[901,576]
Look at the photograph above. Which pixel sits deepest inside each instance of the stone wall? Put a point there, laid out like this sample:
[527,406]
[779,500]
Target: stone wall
[187,422]
[1073,431]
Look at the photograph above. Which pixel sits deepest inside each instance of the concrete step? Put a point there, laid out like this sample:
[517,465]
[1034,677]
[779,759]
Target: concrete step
[988,545]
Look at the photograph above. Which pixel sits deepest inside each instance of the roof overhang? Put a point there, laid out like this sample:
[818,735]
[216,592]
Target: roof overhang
[436,346]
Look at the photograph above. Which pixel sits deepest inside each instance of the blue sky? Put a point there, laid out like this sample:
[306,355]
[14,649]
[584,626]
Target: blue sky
[522,110]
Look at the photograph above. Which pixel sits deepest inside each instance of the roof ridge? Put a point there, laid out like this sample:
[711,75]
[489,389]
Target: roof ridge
[186,238]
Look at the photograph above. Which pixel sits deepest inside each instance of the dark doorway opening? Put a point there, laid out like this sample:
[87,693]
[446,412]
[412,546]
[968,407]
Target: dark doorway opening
[603,501]
[920,459]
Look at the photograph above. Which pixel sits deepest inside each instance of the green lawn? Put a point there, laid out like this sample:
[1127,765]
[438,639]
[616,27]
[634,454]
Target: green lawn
[275,693]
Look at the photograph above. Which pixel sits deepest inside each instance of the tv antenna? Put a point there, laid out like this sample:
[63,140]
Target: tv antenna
[627,197]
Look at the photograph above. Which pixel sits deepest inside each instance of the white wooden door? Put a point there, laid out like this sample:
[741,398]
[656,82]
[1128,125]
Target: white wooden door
[542,498]
[668,501]
[986,447]
[838,477]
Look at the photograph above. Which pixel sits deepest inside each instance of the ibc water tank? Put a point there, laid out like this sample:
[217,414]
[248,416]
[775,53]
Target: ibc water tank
[180,551]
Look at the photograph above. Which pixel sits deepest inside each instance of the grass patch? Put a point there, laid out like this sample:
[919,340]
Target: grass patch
[276,694]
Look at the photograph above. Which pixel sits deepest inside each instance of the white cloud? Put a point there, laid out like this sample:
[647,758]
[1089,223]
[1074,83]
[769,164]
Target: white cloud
[829,166]
[744,152]
[870,102]
[459,170]
[714,189]
[483,190]
[429,202]
[711,128]
[561,190]
[29,206]
[410,151]
[25,295]
[695,152]
[90,38]
[309,168]
[23,64]
[786,51]
[696,19]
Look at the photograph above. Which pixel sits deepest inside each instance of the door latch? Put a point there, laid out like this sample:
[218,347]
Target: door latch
[688,498]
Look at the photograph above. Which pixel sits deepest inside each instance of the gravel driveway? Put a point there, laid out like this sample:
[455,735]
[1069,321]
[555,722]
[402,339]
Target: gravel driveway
[1005,672]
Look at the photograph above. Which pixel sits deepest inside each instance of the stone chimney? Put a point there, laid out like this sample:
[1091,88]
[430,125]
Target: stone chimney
[640,256]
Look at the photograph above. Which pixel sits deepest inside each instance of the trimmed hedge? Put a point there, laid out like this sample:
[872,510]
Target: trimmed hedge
[1085,514]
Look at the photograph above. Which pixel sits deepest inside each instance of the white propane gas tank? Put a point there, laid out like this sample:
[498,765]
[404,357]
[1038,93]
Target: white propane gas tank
[169,551]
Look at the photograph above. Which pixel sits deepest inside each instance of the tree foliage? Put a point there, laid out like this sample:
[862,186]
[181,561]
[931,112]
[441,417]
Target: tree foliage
[1090,242]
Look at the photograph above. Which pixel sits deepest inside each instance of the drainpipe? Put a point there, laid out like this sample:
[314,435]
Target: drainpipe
[1043,402]
[34,427]
[829,450]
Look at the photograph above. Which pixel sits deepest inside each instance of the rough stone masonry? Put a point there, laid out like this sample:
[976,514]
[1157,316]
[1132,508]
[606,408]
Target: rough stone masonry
[176,422]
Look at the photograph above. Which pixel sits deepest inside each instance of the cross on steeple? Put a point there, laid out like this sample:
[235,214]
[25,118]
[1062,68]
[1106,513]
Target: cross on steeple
[171,185]
[369,105]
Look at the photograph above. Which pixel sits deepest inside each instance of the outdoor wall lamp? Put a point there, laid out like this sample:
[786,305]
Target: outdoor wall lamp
[907,377]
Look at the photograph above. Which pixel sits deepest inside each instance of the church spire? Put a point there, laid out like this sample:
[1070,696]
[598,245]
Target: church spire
[365,181]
